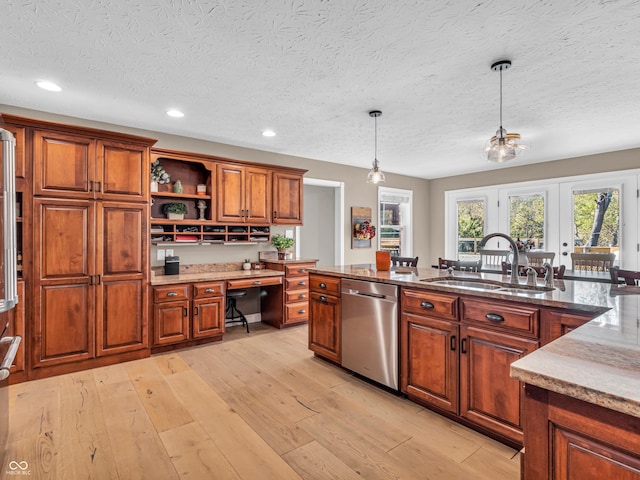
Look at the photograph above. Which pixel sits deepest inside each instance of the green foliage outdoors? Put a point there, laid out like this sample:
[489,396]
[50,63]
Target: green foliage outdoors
[584,219]
[527,217]
[471,219]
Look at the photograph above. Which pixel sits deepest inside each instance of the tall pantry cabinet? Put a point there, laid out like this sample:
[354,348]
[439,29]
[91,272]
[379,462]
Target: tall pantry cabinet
[90,234]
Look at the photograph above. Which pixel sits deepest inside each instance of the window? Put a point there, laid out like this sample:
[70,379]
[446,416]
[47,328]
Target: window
[470,228]
[394,220]
[526,220]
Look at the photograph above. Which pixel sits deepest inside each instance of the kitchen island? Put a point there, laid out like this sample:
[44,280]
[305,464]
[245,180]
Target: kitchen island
[596,364]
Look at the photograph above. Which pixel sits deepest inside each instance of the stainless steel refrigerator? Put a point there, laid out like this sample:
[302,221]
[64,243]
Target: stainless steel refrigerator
[8,278]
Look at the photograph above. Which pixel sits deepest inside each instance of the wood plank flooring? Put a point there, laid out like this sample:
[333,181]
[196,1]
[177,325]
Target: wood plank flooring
[253,407]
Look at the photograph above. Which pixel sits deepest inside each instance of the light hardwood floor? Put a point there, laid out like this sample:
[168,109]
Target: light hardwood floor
[254,407]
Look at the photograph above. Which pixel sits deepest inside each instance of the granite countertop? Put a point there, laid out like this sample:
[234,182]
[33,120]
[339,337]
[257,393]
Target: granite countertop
[211,276]
[598,362]
[289,260]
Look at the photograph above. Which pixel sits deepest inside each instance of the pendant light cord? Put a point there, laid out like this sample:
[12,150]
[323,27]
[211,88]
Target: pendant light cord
[500,98]
[375,141]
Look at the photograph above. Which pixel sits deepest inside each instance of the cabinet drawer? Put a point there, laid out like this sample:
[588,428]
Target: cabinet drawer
[296,283]
[323,284]
[298,269]
[201,290]
[423,302]
[253,282]
[170,293]
[297,312]
[296,296]
[512,318]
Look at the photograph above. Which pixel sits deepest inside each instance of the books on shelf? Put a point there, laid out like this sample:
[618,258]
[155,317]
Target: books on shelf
[186,238]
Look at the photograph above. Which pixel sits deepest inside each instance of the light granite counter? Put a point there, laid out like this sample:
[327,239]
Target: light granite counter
[598,362]
[211,276]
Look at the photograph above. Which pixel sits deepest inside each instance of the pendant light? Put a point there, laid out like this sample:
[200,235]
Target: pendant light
[375,174]
[503,146]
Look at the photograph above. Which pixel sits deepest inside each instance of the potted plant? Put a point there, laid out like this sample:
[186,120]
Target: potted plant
[281,243]
[247,264]
[175,211]
[158,175]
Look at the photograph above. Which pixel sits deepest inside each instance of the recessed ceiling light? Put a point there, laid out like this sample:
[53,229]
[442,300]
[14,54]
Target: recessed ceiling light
[50,86]
[175,113]
[268,133]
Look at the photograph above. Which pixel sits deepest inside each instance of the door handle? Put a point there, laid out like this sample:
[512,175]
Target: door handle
[185,311]
[195,311]
[463,345]
[452,342]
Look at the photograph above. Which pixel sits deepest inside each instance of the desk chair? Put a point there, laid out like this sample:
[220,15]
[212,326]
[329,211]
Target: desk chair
[628,277]
[232,308]
[558,272]
[537,259]
[404,261]
[592,262]
[493,257]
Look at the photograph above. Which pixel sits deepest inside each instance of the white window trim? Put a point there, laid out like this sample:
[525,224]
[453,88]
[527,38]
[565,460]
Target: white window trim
[408,234]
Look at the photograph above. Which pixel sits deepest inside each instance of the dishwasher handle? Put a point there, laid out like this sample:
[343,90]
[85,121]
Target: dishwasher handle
[371,295]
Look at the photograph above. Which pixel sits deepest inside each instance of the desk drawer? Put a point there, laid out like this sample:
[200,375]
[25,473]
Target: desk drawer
[509,318]
[254,282]
[214,289]
[296,296]
[296,283]
[299,269]
[297,312]
[170,293]
[325,284]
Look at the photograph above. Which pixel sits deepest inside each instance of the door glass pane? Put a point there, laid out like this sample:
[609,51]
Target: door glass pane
[470,228]
[390,227]
[596,218]
[526,220]
[394,234]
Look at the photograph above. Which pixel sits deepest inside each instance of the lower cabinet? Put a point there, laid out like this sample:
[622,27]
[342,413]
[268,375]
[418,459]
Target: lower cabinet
[295,301]
[186,312]
[568,439]
[325,317]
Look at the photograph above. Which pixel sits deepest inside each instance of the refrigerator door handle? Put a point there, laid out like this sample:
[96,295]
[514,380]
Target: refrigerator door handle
[10,356]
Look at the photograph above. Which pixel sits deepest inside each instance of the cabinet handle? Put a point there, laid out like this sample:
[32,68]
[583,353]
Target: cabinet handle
[247,213]
[275,214]
[302,284]
[99,184]
[99,280]
[209,290]
[90,279]
[257,282]
[302,311]
[494,317]
[195,311]
[427,305]
[91,185]
[302,270]
[172,294]
[186,311]
[463,345]
[302,295]
[323,298]
[323,285]
[452,343]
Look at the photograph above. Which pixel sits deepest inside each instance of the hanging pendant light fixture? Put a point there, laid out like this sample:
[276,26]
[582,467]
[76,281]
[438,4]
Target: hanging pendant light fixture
[375,174]
[503,146]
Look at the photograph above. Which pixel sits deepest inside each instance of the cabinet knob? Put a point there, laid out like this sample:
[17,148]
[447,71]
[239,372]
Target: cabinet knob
[172,294]
[301,311]
[427,305]
[302,284]
[302,295]
[323,285]
[302,270]
[323,298]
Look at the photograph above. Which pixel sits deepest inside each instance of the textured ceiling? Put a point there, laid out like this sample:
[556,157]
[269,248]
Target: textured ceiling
[312,69]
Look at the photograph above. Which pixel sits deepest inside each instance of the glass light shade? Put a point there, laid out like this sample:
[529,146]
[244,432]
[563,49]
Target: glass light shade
[375,174]
[504,146]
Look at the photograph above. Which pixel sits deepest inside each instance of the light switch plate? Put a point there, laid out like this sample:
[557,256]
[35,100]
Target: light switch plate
[169,252]
[160,254]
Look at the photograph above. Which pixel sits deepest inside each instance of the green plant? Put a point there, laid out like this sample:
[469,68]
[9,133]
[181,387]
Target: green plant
[158,173]
[246,260]
[280,241]
[174,208]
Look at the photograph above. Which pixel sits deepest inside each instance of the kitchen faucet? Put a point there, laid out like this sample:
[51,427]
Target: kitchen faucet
[548,274]
[514,248]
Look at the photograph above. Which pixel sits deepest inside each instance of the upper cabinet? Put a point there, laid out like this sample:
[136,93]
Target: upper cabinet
[244,194]
[287,198]
[79,166]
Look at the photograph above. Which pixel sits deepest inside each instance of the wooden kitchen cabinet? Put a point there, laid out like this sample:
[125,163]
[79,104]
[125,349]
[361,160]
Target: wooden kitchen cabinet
[171,314]
[295,301]
[81,166]
[569,439]
[556,323]
[243,193]
[325,323]
[429,333]
[287,198]
[208,309]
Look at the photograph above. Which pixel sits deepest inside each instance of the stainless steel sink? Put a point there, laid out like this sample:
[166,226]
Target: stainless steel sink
[482,284]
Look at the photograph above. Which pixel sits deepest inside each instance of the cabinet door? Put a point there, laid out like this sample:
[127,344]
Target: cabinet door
[431,361]
[64,260]
[287,198]
[122,171]
[324,326]
[170,322]
[556,323]
[488,395]
[208,317]
[63,165]
[230,193]
[258,195]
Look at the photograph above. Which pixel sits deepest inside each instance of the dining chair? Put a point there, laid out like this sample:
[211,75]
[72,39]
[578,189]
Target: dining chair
[493,257]
[404,261]
[537,259]
[468,266]
[628,277]
[558,272]
[592,262]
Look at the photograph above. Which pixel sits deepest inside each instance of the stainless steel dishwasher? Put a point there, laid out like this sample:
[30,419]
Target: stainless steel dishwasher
[370,330]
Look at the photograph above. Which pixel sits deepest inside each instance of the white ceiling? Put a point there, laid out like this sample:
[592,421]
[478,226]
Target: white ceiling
[312,69]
